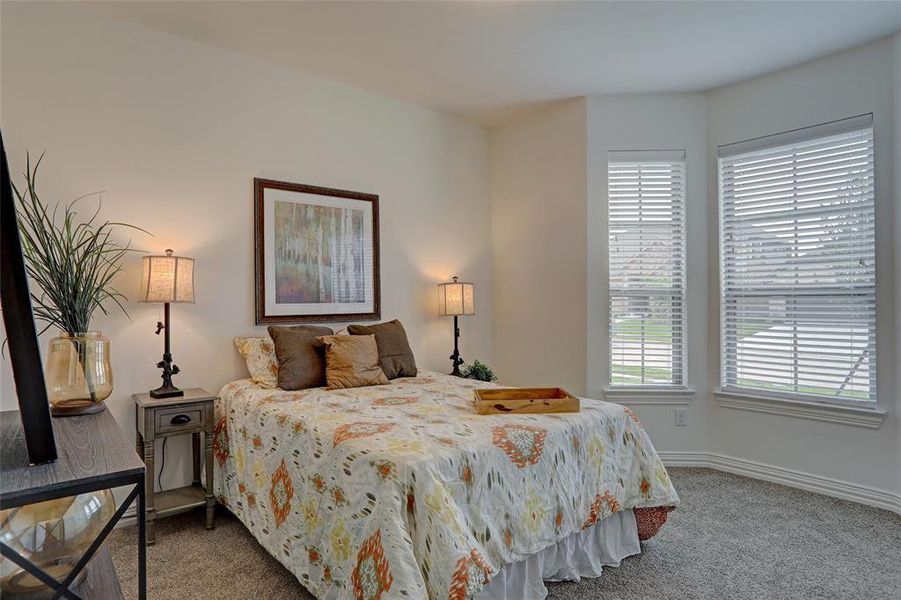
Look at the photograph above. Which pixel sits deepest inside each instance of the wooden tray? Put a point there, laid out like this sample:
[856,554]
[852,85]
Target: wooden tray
[524,400]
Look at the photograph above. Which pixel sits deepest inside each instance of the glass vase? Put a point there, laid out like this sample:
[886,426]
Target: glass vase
[53,535]
[79,376]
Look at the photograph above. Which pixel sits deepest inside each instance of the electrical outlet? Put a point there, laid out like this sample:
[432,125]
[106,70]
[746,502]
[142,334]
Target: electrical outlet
[681,417]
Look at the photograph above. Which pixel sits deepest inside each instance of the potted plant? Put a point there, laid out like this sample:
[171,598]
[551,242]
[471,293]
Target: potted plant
[74,263]
[480,371]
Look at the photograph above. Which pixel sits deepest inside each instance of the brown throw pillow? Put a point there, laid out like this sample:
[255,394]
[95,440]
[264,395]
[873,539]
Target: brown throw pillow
[395,354]
[301,363]
[352,361]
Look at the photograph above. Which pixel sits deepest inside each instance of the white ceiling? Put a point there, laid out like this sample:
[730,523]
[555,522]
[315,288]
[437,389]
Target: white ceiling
[488,60]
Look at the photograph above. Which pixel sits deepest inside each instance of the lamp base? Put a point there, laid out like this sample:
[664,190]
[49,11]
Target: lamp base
[456,359]
[166,392]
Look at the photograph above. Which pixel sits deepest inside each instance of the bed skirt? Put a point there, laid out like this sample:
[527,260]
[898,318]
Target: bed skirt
[582,554]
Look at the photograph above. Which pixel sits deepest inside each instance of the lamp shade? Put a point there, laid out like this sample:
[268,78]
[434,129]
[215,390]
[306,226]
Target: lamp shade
[456,298]
[167,279]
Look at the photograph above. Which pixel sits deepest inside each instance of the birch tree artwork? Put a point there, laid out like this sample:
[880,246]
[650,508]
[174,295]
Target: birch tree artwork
[319,254]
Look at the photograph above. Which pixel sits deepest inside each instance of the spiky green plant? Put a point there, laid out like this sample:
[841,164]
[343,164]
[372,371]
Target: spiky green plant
[73,262]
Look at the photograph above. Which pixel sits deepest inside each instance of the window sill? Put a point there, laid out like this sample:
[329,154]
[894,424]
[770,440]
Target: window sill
[868,418]
[659,396]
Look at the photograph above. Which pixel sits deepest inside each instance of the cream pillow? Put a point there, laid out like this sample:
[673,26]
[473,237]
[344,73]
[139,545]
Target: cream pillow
[352,361]
[259,352]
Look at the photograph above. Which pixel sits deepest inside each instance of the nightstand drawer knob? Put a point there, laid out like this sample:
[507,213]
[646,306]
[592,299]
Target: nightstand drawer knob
[180,420]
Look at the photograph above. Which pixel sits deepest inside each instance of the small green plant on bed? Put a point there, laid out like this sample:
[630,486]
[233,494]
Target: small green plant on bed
[480,371]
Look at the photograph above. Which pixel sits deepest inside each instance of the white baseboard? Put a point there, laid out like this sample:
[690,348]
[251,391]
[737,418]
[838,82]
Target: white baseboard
[675,458]
[789,477]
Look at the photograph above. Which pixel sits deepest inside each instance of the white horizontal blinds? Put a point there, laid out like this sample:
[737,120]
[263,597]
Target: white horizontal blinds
[798,279]
[646,226]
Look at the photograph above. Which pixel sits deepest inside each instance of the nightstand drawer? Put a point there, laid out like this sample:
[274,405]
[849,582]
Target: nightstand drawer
[179,419]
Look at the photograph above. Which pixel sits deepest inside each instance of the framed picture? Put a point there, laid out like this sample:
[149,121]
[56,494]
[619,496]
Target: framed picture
[317,253]
[18,320]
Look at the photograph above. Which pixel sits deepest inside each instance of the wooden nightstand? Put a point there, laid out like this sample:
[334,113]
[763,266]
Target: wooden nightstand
[164,417]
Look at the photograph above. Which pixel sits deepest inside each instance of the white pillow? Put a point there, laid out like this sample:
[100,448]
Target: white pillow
[259,352]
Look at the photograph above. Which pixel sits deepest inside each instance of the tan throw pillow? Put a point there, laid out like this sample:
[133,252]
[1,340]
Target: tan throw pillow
[301,363]
[395,355]
[352,361]
[259,353]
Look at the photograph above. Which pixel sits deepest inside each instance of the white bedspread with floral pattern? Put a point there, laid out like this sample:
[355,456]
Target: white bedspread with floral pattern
[403,491]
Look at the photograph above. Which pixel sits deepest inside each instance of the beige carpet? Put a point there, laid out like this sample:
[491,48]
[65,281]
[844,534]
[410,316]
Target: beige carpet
[733,537]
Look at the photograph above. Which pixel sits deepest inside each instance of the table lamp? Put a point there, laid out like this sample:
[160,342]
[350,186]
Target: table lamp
[456,298]
[167,279]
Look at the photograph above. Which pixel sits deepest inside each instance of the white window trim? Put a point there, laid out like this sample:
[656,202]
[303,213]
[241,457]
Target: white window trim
[661,396]
[666,394]
[867,415]
[794,136]
[857,416]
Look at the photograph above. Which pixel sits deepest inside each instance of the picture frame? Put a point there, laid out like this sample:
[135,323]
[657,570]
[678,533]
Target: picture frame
[316,254]
[21,333]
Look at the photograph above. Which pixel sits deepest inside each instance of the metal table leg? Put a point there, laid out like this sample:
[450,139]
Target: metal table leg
[142,542]
[60,589]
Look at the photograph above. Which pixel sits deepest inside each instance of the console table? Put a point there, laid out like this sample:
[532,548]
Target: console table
[94,454]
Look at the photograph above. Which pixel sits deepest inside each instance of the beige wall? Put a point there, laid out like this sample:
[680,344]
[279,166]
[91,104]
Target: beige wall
[174,133]
[543,334]
[851,83]
[647,122]
[896,240]
[538,186]
[549,215]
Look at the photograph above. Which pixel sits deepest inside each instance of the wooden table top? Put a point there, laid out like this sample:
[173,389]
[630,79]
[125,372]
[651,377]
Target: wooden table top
[190,395]
[93,451]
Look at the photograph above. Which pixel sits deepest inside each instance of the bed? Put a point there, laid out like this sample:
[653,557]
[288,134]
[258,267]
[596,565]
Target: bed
[402,491]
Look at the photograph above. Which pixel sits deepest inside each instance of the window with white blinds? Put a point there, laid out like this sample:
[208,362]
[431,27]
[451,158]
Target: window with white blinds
[797,264]
[646,227]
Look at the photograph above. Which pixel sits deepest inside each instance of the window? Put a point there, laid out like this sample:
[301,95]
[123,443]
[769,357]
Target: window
[797,264]
[646,211]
